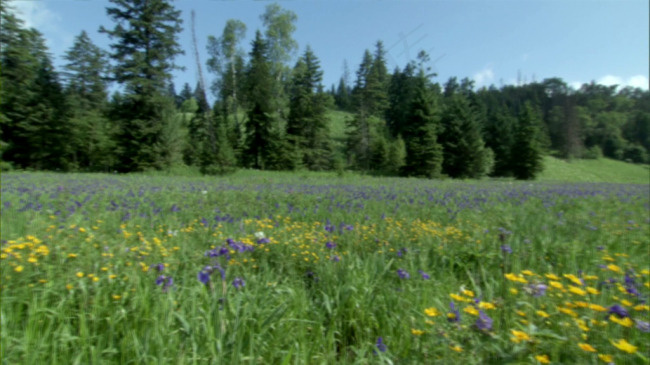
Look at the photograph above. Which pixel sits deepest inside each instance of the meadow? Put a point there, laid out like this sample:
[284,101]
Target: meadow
[307,268]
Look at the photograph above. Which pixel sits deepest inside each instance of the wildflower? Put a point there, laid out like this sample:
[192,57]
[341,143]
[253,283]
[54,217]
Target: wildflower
[576,290]
[528,273]
[117,297]
[471,310]
[625,322]
[459,298]
[614,268]
[381,346]
[624,346]
[606,358]
[330,245]
[642,307]
[456,348]
[536,290]
[618,310]
[543,359]
[18,268]
[159,267]
[513,291]
[335,258]
[484,322]
[69,286]
[431,312]
[238,283]
[72,255]
[80,274]
[425,276]
[112,276]
[642,326]
[506,249]
[486,305]
[416,332]
[453,315]
[552,276]
[518,336]
[517,278]
[403,274]
[542,314]
[204,277]
[468,293]
[592,290]
[586,347]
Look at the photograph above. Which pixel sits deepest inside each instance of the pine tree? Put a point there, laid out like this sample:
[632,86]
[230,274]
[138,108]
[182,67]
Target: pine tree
[145,45]
[259,126]
[424,155]
[526,154]
[307,125]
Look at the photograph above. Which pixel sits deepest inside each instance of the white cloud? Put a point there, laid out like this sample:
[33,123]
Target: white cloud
[484,77]
[36,14]
[640,81]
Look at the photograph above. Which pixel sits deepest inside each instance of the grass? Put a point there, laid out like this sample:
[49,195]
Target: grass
[81,280]
[601,170]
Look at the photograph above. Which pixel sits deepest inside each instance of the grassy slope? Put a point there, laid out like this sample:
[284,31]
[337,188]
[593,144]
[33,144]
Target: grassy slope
[602,170]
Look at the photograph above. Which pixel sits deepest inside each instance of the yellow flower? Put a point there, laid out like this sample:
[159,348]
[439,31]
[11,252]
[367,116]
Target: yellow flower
[468,293]
[614,268]
[72,255]
[117,297]
[606,358]
[517,278]
[80,274]
[576,290]
[459,298]
[456,348]
[552,276]
[486,305]
[542,314]
[416,332]
[586,347]
[471,310]
[592,290]
[513,291]
[523,314]
[18,268]
[528,273]
[519,336]
[429,322]
[573,278]
[112,276]
[597,308]
[626,303]
[32,260]
[543,359]
[104,269]
[642,307]
[624,346]
[556,284]
[432,312]
[582,325]
[568,311]
[95,279]
[626,322]
[69,286]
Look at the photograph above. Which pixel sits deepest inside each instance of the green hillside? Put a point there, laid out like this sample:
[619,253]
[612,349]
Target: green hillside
[601,170]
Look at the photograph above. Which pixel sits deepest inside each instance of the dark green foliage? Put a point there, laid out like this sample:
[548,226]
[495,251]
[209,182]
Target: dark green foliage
[526,153]
[424,155]
[259,126]
[400,94]
[307,125]
[145,45]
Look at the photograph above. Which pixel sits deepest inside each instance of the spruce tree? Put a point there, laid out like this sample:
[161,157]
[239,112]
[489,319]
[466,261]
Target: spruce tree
[145,35]
[526,155]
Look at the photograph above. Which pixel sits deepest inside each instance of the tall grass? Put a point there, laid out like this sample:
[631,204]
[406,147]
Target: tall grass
[327,279]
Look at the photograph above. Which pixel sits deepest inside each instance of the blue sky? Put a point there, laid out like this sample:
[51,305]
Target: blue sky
[493,42]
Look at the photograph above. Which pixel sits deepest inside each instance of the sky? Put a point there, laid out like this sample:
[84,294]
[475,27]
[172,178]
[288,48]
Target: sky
[490,41]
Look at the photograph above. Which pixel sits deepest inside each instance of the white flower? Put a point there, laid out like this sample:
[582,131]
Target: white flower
[259,235]
[204,192]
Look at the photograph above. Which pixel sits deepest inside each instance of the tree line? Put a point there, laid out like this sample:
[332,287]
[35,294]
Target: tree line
[272,113]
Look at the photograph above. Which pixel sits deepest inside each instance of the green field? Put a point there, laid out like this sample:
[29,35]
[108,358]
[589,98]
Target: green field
[304,268]
[601,170]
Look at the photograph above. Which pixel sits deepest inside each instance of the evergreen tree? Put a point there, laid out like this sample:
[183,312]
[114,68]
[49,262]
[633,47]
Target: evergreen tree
[526,154]
[307,125]
[401,92]
[145,45]
[259,126]
[424,155]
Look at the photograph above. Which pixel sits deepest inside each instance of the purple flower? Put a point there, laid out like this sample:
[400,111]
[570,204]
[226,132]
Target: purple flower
[643,326]
[618,310]
[453,315]
[484,322]
[166,282]
[536,290]
[330,245]
[204,277]
[506,249]
[335,258]
[381,346]
[238,283]
[425,276]
[160,280]
[263,240]
[403,274]
[159,267]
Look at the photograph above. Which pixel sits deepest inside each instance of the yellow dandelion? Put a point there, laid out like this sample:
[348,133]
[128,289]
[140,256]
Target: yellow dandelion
[592,290]
[576,290]
[80,274]
[597,308]
[625,346]
[523,314]
[18,268]
[625,322]
[104,269]
[486,305]
[543,359]
[513,291]
[542,314]
[471,310]
[518,336]
[432,312]
[456,348]
[586,347]
[606,358]
[416,332]
[552,276]
[468,293]
[72,255]
[32,260]
[614,268]
[459,298]
[95,279]
[69,286]
[528,273]
[117,297]
[556,284]
[567,311]
[112,276]
[642,307]
[626,303]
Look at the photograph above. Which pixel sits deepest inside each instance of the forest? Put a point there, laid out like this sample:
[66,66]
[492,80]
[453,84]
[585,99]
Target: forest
[272,112]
